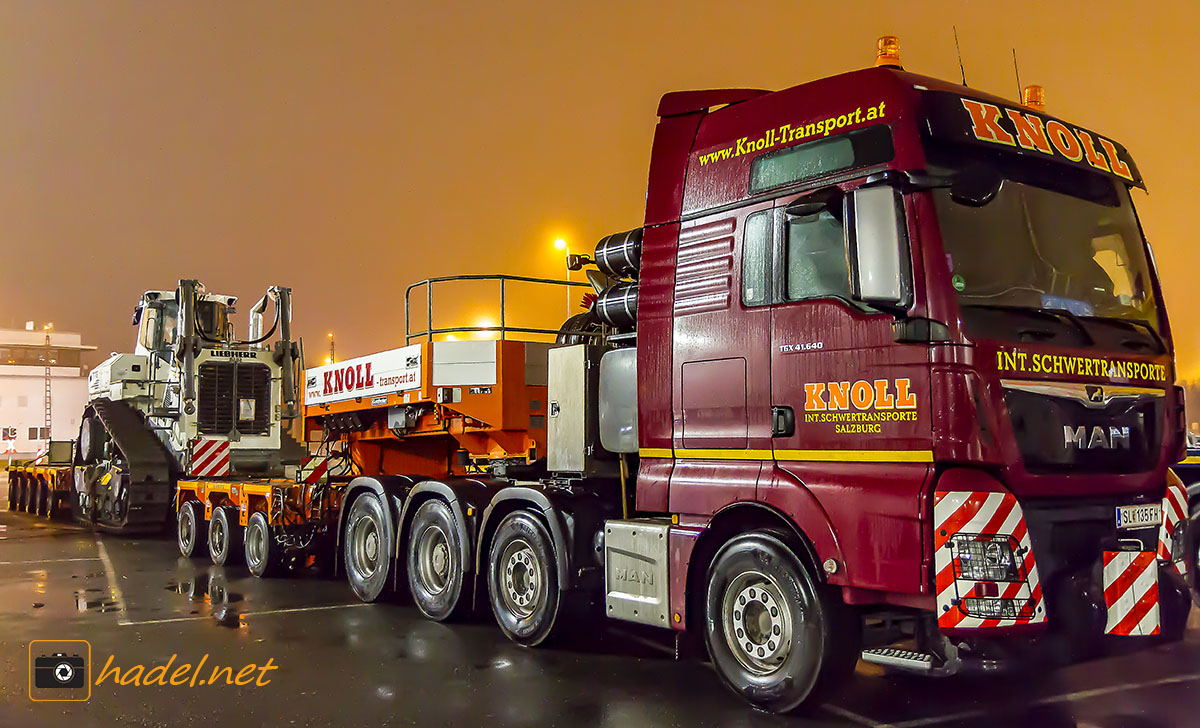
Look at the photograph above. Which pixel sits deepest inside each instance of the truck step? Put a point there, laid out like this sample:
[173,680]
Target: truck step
[899,659]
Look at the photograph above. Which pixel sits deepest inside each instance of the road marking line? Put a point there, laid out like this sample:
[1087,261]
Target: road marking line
[849,715]
[127,623]
[47,561]
[111,574]
[1063,698]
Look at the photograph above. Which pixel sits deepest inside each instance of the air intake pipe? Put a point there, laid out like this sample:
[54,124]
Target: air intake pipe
[620,254]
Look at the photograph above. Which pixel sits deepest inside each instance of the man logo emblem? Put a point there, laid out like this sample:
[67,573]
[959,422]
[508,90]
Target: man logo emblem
[1095,393]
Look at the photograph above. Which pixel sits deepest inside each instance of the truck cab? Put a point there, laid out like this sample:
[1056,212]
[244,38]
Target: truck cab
[918,329]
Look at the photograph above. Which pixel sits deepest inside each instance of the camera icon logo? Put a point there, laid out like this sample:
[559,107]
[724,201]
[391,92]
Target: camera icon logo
[58,670]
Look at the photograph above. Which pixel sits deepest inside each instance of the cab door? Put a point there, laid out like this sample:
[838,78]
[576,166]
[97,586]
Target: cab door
[721,370]
[852,432]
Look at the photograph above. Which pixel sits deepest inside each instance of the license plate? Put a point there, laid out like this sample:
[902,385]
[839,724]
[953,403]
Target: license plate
[1139,516]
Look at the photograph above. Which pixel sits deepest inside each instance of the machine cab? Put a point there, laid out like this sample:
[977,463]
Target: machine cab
[157,318]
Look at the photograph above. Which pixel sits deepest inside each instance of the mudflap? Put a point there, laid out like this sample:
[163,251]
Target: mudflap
[135,493]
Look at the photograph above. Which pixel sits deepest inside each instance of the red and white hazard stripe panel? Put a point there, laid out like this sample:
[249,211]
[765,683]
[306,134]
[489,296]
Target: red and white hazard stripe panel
[986,573]
[1131,592]
[1174,511]
[314,469]
[210,458]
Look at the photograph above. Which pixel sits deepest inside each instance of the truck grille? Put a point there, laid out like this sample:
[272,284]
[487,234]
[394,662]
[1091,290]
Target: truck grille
[1038,420]
[220,389]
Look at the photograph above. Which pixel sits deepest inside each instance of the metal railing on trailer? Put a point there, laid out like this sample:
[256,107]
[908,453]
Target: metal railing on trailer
[502,329]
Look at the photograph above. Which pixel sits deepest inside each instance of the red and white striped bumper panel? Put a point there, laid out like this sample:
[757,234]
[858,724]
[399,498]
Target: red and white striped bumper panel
[968,525]
[313,470]
[1174,512]
[1131,592]
[210,458]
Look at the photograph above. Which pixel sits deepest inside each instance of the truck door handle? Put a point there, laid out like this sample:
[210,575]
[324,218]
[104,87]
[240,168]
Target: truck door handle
[783,421]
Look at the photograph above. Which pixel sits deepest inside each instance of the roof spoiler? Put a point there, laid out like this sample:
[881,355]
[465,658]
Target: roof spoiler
[678,103]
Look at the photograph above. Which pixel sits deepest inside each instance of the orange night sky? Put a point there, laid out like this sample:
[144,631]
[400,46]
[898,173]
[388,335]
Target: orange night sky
[347,149]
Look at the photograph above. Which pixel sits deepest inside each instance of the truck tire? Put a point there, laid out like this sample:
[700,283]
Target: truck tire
[92,437]
[224,537]
[367,547]
[191,530]
[776,637]
[523,579]
[263,555]
[28,487]
[42,506]
[436,572]
[14,491]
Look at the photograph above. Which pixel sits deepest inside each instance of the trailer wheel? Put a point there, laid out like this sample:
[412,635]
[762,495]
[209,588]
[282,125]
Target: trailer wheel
[27,497]
[192,531]
[263,555]
[224,540]
[523,579]
[42,497]
[436,571]
[776,637]
[367,547]
[14,491]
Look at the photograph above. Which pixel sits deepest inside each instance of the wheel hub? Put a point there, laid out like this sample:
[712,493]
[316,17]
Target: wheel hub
[255,545]
[433,559]
[522,582]
[365,547]
[758,624]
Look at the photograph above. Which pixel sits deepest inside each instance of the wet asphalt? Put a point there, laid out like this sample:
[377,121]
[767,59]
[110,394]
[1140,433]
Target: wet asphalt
[343,663]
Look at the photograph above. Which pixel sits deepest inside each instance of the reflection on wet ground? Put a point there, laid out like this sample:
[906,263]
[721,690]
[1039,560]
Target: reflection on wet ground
[342,663]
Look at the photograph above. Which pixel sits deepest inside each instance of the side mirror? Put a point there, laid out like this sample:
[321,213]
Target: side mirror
[975,185]
[817,202]
[879,248]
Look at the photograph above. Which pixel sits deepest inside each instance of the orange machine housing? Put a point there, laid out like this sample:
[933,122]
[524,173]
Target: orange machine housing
[451,430]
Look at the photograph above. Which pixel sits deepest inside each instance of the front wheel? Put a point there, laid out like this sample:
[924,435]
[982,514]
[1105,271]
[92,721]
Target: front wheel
[523,579]
[776,637]
[436,572]
[367,547]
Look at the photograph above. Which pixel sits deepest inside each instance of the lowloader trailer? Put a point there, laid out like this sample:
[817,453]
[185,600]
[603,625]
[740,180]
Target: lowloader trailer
[884,374]
[44,485]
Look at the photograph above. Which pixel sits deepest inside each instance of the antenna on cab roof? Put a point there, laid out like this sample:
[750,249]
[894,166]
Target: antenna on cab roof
[1017,73]
[962,71]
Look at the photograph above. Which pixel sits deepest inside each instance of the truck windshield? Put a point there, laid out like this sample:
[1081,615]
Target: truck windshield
[1070,262]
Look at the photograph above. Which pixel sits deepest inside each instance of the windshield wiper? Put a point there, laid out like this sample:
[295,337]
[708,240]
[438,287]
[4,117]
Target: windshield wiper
[1138,326]
[1056,315]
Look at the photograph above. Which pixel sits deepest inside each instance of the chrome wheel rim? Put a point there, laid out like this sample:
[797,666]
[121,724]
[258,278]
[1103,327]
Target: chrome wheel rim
[218,536]
[433,559]
[757,622]
[256,544]
[187,529]
[521,576]
[364,547]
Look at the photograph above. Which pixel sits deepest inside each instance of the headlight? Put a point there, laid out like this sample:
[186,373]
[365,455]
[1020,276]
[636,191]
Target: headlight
[986,557]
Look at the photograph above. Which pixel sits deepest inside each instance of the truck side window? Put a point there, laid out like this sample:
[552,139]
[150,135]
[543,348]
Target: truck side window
[756,259]
[816,257]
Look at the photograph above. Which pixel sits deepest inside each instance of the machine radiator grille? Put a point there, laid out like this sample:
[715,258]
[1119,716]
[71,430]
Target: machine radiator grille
[224,393]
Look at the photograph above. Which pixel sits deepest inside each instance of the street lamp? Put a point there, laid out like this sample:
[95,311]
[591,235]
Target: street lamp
[561,245]
[332,355]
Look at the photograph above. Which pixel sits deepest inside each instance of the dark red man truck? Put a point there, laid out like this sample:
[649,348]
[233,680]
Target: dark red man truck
[884,375]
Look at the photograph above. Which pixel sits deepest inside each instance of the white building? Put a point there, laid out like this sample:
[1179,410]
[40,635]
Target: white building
[23,358]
